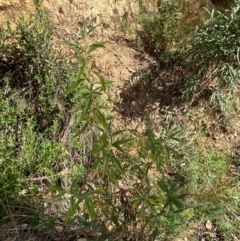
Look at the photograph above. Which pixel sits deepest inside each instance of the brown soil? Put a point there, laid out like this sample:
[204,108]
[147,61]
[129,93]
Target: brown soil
[133,97]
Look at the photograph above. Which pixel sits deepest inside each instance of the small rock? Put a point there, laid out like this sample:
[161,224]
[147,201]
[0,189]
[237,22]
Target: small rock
[209,225]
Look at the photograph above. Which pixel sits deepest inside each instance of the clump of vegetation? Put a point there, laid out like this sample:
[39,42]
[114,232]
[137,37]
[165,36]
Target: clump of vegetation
[35,115]
[158,29]
[63,161]
[214,54]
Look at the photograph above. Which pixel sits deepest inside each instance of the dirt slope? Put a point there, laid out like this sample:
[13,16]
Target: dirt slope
[119,61]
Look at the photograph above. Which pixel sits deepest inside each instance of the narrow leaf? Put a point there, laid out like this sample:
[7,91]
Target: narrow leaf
[93,28]
[72,45]
[117,132]
[82,130]
[102,80]
[83,32]
[105,164]
[98,191]
[117,163]
[96,163]
[73,86]
[87,106]
[102,119]
[96,46]
[167,152]
[96,150]
[152,201]
[118,147]
[90,209]
[80,71]
[79,79]
[113,176]
[122,141]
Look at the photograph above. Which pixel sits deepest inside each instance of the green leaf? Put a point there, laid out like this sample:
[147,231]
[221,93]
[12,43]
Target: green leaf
[117,132]
[80,71]
[82,130]
[93,28]
[117,163]
[102,119]
[83,32]
[98,191]
[154,234]
[73,86]
[102,81]
[96,46]
[117,144]
[105,164]
[104,139]
[87,106]
[74,205]
[152,201]
[118,147]
[122,141]
[113,176]
[72,45]
[89,205]
[167,152]
[96,150]
[79,79]
[96,163]
[136,203]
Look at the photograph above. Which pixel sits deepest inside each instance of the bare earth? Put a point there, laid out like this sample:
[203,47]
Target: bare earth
[119,61]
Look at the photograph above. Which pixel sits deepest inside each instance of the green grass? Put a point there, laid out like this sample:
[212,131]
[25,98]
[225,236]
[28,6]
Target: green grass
[63,160]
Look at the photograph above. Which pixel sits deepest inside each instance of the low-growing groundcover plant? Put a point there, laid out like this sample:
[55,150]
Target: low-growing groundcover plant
[64,163]
[34,117]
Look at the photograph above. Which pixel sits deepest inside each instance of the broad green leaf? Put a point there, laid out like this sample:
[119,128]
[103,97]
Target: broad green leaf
[102,81]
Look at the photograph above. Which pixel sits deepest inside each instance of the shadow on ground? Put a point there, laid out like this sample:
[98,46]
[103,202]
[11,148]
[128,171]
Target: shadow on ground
[152,89]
